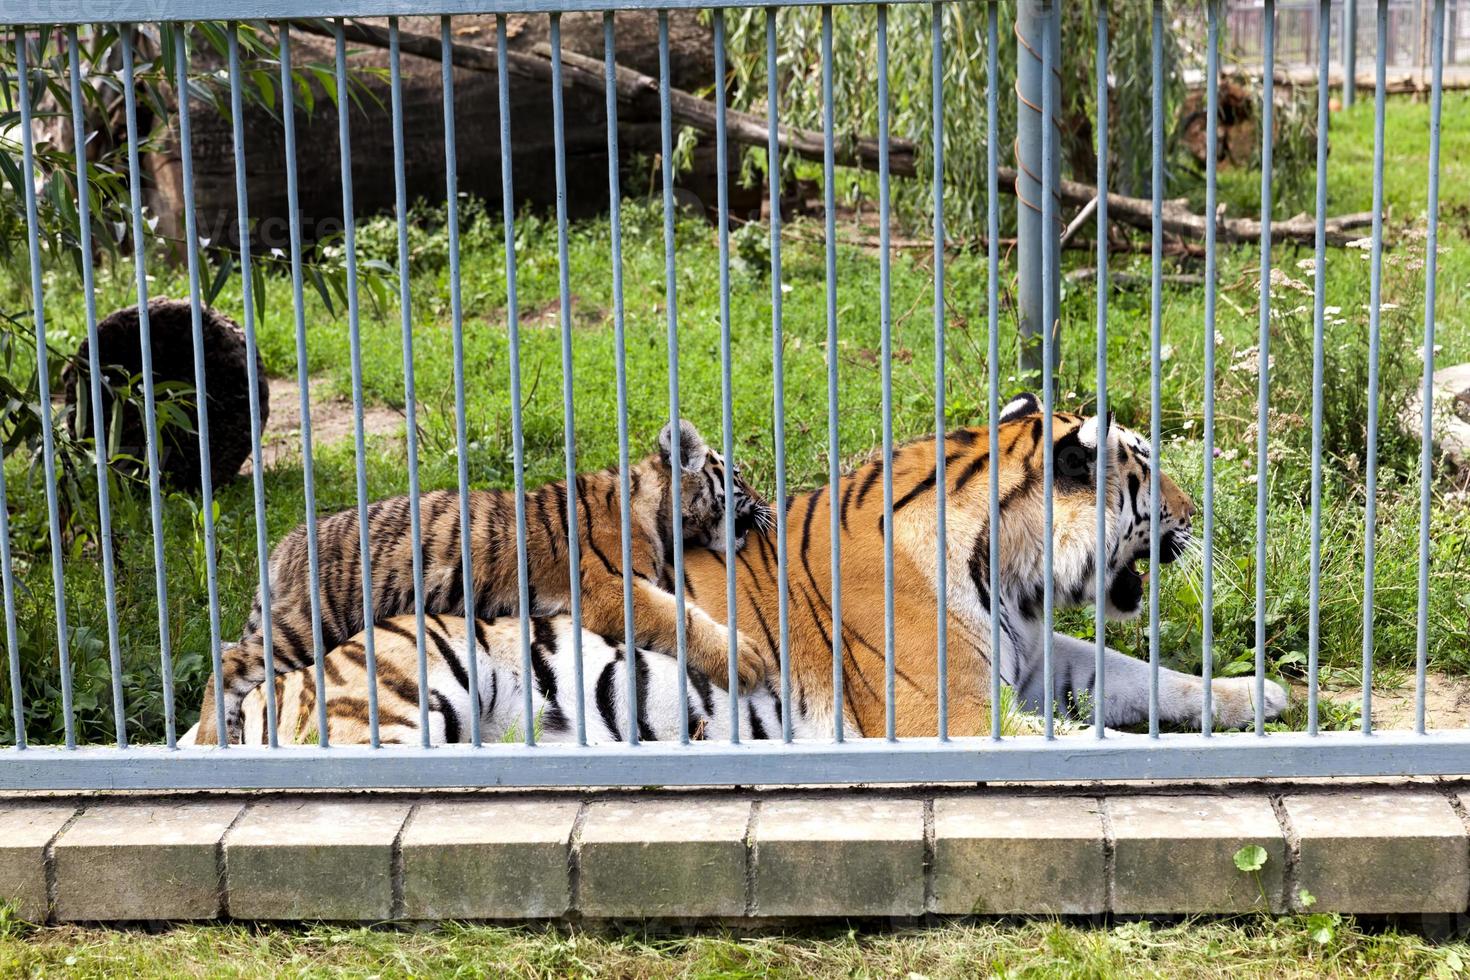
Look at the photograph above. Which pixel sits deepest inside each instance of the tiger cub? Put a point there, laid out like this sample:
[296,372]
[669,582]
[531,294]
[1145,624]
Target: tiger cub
[501,694]
[493,548]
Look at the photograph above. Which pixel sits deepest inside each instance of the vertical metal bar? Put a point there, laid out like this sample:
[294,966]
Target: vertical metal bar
[513,327]
[1156,323]
[303,383]
[1375,317]
[460,428]
[778,370]
[247,297]
[43,384]
[1349,53]
[1212,117]
[1426,444]
[150,405]
[1032,17]
[1048,383]
[727,414]
[834,432]
[344,137]
[201,399]
[992,312]
[405,311]
[569,430]
[941,544]
[671,304]
[1319,299]
[7,581]
[94,373]
[1100,617]
[886,320]
[1264,342]
[12,635]
[615,229]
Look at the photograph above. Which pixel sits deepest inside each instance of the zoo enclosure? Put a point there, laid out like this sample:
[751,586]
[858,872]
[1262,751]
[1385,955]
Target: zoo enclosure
[873,759]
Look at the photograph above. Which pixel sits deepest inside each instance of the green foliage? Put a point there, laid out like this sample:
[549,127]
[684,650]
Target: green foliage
[1213,949]
[855,88]
[1251,858]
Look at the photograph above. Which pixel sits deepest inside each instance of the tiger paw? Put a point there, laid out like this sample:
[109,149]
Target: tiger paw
[753,665]
[1235,701]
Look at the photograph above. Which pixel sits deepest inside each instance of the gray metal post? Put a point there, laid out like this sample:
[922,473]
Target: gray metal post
[1031,22]
[1349,52]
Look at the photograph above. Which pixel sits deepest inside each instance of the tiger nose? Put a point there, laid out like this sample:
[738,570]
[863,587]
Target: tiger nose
[1186,509]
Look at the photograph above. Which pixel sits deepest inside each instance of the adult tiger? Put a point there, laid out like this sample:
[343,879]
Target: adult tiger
[968,457]
[496,582]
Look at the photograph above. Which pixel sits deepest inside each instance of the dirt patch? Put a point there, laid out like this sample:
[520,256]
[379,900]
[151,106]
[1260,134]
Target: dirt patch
[548,315]
[1446,702]
[331,422]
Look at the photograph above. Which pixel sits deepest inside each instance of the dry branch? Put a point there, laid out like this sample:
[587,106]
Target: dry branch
[1181,222]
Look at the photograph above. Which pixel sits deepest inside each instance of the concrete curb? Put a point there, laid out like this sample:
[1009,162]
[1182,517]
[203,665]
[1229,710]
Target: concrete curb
[1375,848]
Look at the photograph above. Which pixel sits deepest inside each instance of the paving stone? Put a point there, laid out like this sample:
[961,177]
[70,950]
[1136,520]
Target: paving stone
[1037,855]
[1375,851]
[1177,853]
[487,859]
[662,858]
[147,860]
[25,830]
[840,856]
[314,859]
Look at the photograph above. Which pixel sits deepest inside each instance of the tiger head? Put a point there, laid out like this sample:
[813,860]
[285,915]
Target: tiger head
[704,492]
[1129,462]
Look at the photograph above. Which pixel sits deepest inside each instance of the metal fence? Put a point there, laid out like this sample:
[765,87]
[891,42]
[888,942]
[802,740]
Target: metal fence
[1408,37]
[839,756]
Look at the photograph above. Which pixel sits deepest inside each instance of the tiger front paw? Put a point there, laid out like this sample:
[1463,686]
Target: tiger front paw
[753,665]
[1235,701]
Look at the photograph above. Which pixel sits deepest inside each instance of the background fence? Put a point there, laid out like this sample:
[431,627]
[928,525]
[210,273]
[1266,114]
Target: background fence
[832,756]
[1410,30]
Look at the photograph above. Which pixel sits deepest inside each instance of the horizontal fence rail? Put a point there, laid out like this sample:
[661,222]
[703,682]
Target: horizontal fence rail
[994,652]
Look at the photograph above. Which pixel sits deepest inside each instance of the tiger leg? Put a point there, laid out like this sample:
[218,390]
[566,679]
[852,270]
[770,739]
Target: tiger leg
[243,670]
[655,625]
[1126,689]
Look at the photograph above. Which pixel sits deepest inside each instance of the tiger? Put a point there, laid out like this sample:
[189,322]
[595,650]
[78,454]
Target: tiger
[968,458]
[500,691]
[495,575]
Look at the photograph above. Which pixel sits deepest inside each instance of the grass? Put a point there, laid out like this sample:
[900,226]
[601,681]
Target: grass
[1243,947]
[805,354]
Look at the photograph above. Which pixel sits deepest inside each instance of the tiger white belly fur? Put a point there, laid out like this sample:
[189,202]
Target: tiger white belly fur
[501,692]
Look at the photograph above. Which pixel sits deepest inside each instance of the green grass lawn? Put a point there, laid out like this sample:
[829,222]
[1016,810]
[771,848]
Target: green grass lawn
[1244,947]
[805,357]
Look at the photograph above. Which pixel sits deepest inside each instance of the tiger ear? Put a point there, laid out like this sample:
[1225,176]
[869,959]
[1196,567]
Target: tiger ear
[1020,406]
[693,453]
[1087,435]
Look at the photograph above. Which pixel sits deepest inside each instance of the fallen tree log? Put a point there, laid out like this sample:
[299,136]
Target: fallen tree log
[638,91]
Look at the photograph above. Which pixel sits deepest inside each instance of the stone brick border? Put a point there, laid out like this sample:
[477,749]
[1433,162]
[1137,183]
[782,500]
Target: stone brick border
[1377,847]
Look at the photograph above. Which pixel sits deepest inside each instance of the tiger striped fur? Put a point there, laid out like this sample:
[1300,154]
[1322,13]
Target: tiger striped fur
[968,457]
[499,676]
[495,577]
